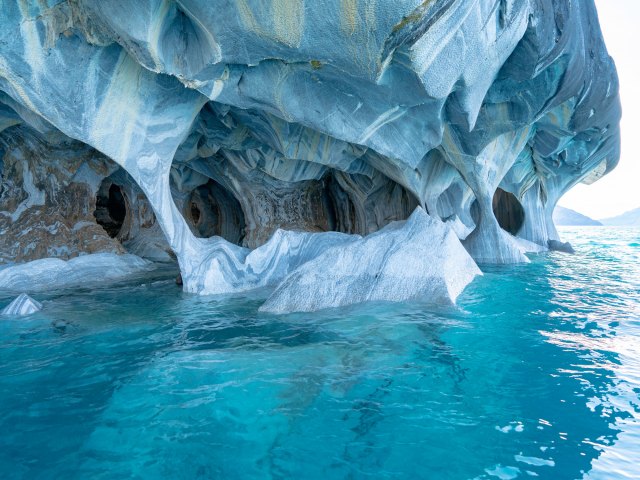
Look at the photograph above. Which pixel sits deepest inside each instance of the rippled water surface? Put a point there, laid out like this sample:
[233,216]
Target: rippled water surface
[536,373]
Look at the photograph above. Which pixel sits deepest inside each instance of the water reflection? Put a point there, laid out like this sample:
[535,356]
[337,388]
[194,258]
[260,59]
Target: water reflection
[535,374]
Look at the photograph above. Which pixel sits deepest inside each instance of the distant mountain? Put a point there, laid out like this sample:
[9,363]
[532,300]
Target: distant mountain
[628,219]
[570,218]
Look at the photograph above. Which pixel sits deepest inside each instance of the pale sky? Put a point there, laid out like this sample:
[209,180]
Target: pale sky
[619,191]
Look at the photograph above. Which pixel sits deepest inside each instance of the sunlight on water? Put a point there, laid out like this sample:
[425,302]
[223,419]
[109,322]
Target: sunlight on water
[536,373]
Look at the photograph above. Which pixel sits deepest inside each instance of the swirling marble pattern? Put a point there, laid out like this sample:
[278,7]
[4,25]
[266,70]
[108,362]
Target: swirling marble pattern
[363,108]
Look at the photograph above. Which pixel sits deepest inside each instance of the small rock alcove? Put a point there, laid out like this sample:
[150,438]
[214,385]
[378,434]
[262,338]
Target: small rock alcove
[111,208]
[508,211]
[213,211]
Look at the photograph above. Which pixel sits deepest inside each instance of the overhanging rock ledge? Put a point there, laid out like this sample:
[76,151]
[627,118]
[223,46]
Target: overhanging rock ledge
[214,133]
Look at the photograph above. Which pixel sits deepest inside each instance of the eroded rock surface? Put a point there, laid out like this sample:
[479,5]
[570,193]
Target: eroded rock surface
[226,122]
[393,265]
[83,271]
[229,269]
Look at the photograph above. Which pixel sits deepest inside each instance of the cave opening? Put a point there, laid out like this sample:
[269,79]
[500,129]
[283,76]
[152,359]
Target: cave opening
[247,211]
[111,208]
[358,204]
[508,211]
[195,213]
[213,211]
[338,207]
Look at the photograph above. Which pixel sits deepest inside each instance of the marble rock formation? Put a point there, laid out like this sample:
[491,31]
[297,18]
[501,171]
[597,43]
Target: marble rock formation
[393,264]
[22,306]
[85,270]
[202,131]
[228,270]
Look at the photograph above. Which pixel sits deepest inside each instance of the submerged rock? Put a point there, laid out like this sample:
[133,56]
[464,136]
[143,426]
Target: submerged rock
[23,305]
[564,247]
[394,264]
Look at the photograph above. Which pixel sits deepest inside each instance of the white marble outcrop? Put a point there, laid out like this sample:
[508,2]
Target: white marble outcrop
[234,120]
[22,306]
[394,264]
[86,270]
[231,269]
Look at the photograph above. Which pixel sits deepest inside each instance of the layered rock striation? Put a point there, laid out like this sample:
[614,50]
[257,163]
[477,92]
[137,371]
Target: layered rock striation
[207,131]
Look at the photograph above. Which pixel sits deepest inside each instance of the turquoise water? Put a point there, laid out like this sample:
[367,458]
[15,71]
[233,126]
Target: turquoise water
[535,374]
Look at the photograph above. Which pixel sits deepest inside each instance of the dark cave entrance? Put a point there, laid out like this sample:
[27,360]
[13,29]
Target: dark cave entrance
[508,211]
[194,210]
[213,211]
[357,204]
[247,211]
[339,209]
[111,208]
